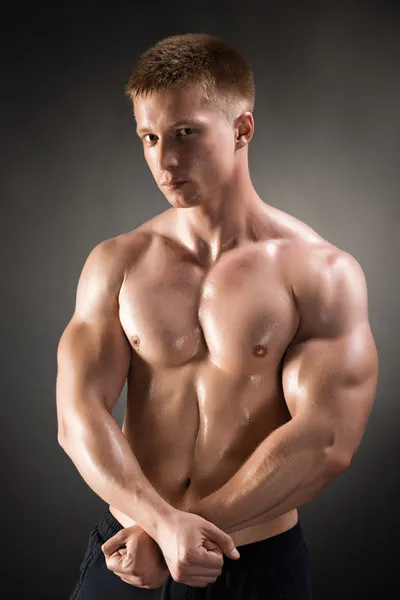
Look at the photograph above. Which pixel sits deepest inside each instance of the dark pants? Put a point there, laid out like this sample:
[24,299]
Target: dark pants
[273,569]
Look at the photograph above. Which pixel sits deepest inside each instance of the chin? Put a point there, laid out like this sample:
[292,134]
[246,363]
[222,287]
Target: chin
[182,200]
[182,203]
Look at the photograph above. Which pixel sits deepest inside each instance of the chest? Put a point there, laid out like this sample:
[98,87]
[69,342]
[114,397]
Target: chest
[240,313]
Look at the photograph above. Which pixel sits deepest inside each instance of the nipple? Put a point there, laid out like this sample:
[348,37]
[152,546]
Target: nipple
[259,350]
[135,341]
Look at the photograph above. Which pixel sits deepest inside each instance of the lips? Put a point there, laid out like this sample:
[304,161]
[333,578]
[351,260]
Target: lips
[173,183]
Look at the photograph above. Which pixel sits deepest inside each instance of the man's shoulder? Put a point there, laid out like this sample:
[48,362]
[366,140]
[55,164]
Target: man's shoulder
[315,267]
[292,231]
[140,235]
[129,245]
[319,263]
[328,285]
[305,250]
[321,275]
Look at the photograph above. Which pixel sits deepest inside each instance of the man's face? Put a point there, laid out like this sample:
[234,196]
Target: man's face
[185,138]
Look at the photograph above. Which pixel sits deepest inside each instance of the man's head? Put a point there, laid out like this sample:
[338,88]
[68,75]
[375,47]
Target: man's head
[193,98]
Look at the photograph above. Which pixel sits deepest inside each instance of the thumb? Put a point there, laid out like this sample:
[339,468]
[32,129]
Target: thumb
[224,541]
[114,543]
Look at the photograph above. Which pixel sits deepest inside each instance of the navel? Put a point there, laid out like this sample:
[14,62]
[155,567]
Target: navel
[260,350]
[135,341]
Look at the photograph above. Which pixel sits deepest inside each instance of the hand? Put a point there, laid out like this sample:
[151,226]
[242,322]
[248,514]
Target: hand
[136,558]
[193,548]
[204,507]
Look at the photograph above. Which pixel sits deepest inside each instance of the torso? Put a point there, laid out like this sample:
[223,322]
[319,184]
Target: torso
[204,386]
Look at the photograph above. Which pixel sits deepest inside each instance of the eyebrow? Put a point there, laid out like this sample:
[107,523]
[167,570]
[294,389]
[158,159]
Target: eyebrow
[173,126]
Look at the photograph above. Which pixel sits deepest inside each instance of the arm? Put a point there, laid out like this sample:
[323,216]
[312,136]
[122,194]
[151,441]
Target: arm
[329,380]
[93,362]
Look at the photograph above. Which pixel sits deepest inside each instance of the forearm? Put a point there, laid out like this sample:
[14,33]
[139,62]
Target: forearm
[286,470]
[102,455]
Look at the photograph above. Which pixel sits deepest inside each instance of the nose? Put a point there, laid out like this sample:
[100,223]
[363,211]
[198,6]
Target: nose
[167,155]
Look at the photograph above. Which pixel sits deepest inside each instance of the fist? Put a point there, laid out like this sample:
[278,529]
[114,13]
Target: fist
[193,548]
[136,558]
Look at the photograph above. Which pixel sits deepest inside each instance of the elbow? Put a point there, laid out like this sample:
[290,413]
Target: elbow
[76,425]
[337,460]
[61,440]
[66,429]
[61,433]
[337,453]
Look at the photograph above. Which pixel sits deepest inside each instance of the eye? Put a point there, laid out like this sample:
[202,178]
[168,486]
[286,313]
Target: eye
[147,134]
[189,129]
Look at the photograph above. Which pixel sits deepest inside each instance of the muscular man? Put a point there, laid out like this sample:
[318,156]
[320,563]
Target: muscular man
[245,341]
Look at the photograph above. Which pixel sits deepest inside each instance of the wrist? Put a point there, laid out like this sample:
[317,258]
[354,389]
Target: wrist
[212,509]
[161,520]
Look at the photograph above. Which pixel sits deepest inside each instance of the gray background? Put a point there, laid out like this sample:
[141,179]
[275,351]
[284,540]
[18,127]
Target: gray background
[325,149]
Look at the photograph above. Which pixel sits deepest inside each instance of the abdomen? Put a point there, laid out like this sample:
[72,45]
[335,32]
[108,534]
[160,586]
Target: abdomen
[196,425]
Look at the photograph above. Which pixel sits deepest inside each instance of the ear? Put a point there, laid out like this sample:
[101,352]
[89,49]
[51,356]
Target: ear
[244,129]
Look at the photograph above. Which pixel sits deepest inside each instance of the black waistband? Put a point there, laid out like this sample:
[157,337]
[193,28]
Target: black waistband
[108,525]
[266,550]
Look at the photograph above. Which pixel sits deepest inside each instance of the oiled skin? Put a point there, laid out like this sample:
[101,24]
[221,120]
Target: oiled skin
[244,337]
[204,385]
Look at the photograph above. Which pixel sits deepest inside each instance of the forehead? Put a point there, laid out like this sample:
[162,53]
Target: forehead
[164,108]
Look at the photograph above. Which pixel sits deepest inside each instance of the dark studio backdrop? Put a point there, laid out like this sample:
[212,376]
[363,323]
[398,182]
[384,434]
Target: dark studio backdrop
[325,149]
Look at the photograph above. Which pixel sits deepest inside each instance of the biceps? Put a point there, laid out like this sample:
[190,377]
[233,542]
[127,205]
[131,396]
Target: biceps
[331,383]
[93,362]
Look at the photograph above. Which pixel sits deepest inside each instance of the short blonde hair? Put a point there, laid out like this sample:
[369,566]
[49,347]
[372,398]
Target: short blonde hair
[222,73]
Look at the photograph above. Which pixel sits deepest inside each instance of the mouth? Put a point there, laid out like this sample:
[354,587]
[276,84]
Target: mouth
[172,185]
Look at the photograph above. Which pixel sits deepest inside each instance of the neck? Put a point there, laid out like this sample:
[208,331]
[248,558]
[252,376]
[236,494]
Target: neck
[224,220]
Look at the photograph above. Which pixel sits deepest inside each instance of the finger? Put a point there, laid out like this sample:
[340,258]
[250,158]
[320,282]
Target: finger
[209,545]
[112,545]
[137,581]
[210,559]
[118,563]
[224,541]
[131,579]
[213,547]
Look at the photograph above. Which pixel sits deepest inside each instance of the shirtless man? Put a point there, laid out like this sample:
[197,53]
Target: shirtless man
[245,341]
